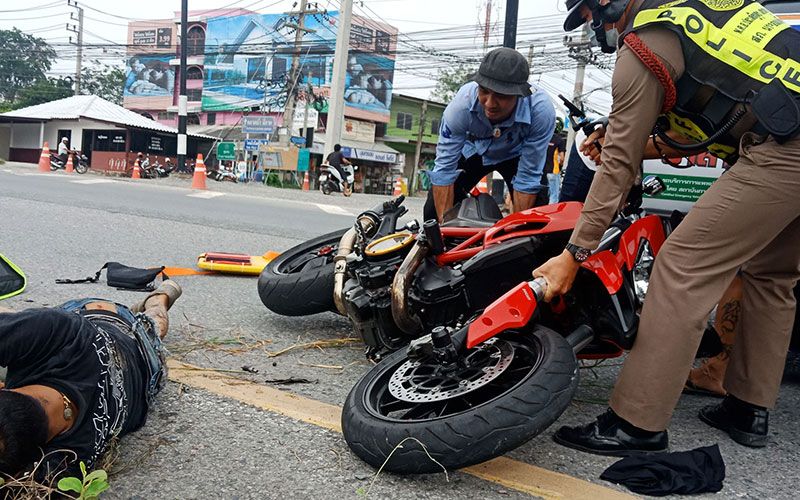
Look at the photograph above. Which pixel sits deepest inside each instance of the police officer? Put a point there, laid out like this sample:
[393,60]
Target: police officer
[494,123]
[724,76]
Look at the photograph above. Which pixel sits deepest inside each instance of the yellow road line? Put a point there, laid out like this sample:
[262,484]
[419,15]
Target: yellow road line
[504,471]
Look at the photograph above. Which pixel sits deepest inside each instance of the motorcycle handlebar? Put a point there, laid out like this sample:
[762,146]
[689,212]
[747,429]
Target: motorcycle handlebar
[539,288]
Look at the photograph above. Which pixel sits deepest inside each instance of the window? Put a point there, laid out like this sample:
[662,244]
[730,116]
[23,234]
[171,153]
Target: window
[405,121]
[193,119]
[166,115]
[211,119]
[194,73]
[435,125]
[195,41]
[194,95]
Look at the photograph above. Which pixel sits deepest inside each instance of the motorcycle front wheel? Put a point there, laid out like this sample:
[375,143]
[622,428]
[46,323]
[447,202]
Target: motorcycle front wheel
[299,281]
[512,388]
[81,168]
[325,187]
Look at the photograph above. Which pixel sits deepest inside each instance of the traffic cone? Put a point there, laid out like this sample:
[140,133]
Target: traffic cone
[44,159]
[483,186]
[398,187]
[70,168]
[306,183]
[199,179]
[136,174]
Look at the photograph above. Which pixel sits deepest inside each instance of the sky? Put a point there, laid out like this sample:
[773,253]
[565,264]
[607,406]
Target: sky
[419,22]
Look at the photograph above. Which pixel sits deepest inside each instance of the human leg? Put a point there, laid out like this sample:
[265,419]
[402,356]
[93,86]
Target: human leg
[157,303]
[733,222]
[577,179]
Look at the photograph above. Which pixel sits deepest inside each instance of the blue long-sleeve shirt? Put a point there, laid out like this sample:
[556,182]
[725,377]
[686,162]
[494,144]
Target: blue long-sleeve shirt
[466,131]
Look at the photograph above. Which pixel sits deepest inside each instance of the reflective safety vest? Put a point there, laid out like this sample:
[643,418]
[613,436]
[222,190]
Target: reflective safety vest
[732,48]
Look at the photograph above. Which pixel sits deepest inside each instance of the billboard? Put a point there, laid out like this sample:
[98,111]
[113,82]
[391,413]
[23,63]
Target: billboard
[149,78]
[249,58]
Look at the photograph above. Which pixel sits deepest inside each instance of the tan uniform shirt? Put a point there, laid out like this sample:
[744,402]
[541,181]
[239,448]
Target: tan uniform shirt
[637,101]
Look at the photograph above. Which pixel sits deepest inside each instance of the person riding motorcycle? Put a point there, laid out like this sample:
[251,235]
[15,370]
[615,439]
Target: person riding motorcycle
[336,159]
[724,76]
[63,150]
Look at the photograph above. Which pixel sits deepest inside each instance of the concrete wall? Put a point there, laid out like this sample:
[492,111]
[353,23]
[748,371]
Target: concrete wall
[26,135]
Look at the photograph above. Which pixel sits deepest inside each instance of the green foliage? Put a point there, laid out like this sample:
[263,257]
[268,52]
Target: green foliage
[45,90]
[450,79]
[24,60]
[92,485]
[104,81]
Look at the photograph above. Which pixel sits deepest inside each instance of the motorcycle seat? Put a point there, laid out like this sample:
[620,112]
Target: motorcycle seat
[473,211]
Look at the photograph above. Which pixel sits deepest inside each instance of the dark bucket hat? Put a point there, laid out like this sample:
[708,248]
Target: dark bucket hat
[504,71]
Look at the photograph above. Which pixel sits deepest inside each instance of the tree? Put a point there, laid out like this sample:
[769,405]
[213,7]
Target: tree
[103,81]
[24,60]
[449,80]
[45,90]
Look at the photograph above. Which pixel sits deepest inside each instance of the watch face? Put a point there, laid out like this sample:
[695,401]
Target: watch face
[581,254]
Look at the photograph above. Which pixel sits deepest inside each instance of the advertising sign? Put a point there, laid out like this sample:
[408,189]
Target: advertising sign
[258,124]
[368,154]
[303,159]
[226,151]
[239,76]
[149,78]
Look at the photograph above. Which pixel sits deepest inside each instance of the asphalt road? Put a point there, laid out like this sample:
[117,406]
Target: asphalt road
[199,445]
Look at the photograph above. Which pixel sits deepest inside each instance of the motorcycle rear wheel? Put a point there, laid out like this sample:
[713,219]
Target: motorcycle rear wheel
[326,188]
[535,387]
[299,281]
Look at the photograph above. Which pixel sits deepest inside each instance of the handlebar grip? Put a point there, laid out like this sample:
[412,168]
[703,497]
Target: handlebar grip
[539,288]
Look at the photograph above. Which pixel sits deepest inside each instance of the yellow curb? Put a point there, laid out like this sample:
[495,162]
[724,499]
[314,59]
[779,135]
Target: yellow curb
[509,473]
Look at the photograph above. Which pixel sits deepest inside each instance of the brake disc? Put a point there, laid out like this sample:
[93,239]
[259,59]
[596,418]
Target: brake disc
[427,381]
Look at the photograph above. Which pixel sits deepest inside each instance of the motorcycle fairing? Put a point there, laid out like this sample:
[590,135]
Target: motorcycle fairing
[513,310]
[609,266]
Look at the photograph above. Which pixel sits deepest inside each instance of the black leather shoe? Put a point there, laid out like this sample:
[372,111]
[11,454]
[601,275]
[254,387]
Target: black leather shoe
[745,423]
[611,435]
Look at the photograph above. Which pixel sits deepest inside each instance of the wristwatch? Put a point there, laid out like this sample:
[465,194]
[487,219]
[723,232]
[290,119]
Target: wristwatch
[580,254]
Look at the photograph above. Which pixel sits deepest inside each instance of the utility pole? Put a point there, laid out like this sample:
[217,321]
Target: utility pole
[580,75]
[487,26]
[510,32]
[291,82]
[182,99]
[78,30]
[336,100]
[412,181]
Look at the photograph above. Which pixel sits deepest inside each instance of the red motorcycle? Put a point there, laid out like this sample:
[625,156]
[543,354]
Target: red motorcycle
[475,388]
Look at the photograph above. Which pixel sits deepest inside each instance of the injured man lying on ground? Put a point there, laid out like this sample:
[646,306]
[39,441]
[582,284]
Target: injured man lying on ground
[79,376]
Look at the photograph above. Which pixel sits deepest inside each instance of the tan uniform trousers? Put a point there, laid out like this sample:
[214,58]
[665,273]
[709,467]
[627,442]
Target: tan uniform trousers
[748,219]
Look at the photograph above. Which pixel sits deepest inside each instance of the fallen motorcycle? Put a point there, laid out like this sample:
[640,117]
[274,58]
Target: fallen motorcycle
[473,389]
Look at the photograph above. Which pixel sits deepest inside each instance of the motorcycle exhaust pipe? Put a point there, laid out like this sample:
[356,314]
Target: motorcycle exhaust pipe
[340,267]
[346,245]
[580,338]
[402,280]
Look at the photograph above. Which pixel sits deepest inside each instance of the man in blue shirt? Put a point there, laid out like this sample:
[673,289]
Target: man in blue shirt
[494,123]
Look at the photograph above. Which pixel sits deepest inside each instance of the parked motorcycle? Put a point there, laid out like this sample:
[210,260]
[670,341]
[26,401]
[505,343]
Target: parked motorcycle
[330,180]
[79,162]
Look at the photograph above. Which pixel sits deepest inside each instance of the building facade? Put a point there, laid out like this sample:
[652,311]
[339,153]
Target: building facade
[403,132]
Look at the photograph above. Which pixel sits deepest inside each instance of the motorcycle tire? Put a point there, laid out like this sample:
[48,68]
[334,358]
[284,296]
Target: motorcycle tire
[81,168]
[53,167]
[303,291]
[326,188]
[475,433]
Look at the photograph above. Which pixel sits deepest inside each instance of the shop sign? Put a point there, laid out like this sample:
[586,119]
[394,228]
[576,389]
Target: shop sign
[258,124]
[144,37]
[155,143]
[303,160]
[370,155]
[300,141]
[226,151]
[357,130]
